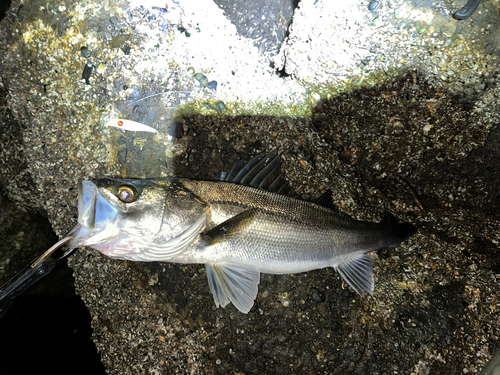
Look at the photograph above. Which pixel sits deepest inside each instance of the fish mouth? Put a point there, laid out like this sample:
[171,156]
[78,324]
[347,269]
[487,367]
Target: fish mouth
[94,210]
[87,196]
[95,214]
[87,199]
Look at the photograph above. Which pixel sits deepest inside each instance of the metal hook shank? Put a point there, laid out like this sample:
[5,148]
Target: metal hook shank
[22,281]
[33,272]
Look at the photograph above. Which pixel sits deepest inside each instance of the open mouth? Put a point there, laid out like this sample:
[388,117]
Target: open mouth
[87,199]
[94,211]
[95,214]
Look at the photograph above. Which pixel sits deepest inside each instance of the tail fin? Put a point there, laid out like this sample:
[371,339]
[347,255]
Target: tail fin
[400,231]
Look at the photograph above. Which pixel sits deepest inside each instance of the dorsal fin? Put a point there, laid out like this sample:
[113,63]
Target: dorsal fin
[262,172]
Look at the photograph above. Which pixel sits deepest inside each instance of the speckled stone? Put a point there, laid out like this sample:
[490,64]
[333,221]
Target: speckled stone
[428,152]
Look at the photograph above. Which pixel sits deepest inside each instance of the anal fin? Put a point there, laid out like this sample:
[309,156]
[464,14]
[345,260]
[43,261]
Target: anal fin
[233,283]
[358,273]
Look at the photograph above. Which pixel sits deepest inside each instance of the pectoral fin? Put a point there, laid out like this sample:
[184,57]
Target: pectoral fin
[231,283]
[230,228]
[358,273]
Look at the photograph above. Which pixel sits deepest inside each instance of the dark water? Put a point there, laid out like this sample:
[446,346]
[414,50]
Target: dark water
[4,5]
[266,22]
[47,329]
[48,332]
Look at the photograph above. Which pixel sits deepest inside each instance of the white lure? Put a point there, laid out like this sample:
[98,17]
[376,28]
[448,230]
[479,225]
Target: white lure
[130,125]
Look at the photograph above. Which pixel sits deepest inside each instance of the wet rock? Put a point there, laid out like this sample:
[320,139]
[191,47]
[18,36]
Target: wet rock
[126,50]
[373,5]
[202,79]
[220,107]
[317,295]
[87,73]
[212,85]
[122,155]
[85,52]
[428,154]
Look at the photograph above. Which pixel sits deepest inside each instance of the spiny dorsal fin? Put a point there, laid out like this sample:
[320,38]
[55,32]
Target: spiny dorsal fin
[262,172]
[254,167]
[230,228]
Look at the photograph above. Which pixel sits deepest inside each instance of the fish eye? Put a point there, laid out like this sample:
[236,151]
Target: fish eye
[127,194]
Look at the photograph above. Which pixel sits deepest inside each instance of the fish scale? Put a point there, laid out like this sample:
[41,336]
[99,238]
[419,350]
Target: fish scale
[288,235]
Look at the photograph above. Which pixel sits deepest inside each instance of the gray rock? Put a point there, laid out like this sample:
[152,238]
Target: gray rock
[426,152]
[265,22]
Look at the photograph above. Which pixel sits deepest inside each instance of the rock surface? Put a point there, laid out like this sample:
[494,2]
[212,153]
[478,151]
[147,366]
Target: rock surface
[425,147]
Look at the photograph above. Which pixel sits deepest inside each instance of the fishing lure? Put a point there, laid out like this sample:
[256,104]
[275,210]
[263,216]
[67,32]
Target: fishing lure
[130,125]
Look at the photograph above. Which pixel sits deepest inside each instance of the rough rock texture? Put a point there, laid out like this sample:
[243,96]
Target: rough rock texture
[425,147]
[265,22]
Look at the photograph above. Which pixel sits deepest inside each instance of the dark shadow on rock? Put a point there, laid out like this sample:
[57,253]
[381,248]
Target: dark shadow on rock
[419,147]
[48,320]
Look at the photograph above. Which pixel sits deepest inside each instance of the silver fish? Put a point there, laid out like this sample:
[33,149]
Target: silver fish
[237,231]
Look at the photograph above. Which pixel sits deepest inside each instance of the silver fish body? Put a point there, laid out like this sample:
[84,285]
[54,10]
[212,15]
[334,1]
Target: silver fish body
[237,231]
[286,235]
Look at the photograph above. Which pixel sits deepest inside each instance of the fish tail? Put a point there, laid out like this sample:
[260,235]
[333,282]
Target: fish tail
[400,231]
